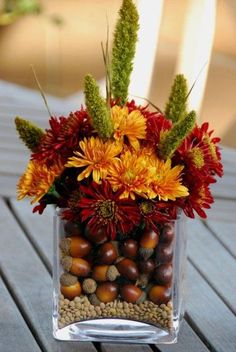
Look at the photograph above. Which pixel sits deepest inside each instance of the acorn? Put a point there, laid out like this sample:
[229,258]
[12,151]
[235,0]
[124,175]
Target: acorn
[149,240]
[76,266]
[89,285]
[164,253]
[129,248]
[147,266]
[107,291]
[132,294]
[159,294]
[167,234]
[105,273]
[163,273]
[70,286]
[75,246]
[128,268]
[72,228]
[99,237]
[107,253]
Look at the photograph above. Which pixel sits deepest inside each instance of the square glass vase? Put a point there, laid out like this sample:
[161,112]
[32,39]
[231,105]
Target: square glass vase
[129,289]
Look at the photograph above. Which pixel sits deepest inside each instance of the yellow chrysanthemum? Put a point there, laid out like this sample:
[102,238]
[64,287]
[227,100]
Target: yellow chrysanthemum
[37,179]
[132,174]
[167,181]
[131,125]
[97,156]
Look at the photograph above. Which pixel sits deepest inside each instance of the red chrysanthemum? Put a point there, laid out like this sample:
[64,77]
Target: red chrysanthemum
[200,154]
[101,208]
[199,198]
[63,136]
[154,213]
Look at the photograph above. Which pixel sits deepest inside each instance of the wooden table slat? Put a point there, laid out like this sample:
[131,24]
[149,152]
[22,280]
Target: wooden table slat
[31,283]
[213,319]
[213,261]
[13,328]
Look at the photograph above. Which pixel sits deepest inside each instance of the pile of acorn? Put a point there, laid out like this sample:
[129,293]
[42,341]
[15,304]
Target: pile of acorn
[132,269]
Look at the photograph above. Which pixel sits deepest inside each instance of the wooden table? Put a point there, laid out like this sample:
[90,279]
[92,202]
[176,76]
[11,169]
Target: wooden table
[26,260]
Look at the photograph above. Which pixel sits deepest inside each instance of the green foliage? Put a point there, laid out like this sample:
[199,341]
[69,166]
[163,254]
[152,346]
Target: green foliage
[124,44]
[172,139]
[177,103]
[29,133]
[97,108]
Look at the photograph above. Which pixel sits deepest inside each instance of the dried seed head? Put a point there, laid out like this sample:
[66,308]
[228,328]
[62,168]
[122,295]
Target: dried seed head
[94,300]
[68,279]
[112,273]
[89,285]
[146,253]
[66,262]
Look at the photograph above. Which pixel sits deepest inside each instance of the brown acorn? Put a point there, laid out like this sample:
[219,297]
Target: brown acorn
[75,246]
[132,294]
[72,228]
[76,266]
[159,294]
[107,291]
[148,242]
[167,234]
[129,248]
[164,253]
[105,273]
[99,237]
[163,273]
[147,266]
[107,253]
[128,268]
[70,286]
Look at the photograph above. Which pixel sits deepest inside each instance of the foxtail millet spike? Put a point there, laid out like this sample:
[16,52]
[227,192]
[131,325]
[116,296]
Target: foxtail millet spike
[29,133]
[97,108]
[123,50]
[172,139]
[177,104]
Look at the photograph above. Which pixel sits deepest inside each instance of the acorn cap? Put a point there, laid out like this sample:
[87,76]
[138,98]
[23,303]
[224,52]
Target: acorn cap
[112,273]
[146,253]
[94,300]
[89,285]
[65,245]
[68,279]
[142,298]
[143,280]
[66,262]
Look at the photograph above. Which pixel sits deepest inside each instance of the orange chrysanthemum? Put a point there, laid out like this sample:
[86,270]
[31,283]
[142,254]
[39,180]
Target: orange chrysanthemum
[96,157]
[167,181]
[131,125]
[132,174]
[38,179]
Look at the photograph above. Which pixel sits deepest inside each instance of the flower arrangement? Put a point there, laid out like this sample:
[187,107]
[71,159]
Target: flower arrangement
[120,172]
[115,164]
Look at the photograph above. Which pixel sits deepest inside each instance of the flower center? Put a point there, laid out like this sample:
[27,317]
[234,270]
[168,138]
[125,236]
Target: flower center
[197,157]
[147,208]
[106,209]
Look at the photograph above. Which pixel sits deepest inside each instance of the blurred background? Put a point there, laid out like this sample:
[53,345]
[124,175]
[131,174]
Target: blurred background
[63,42]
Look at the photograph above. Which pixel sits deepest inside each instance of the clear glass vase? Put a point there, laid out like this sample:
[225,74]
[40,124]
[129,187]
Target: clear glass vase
[126,290]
